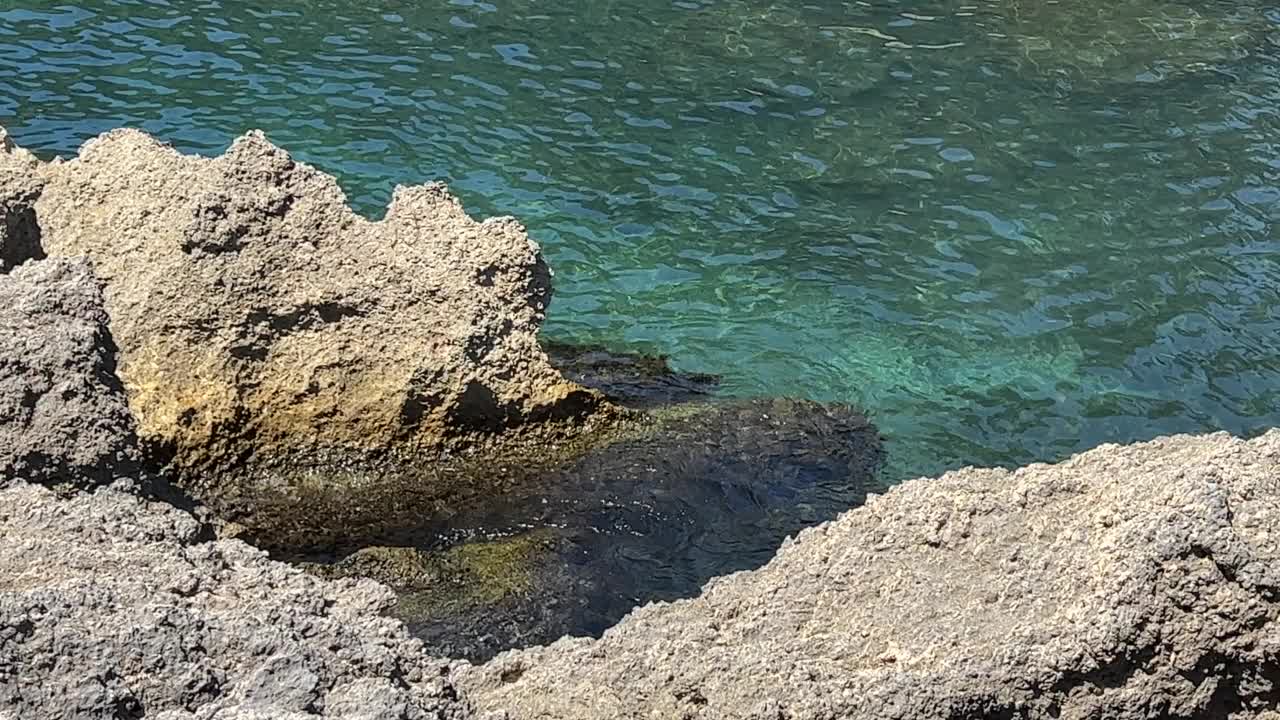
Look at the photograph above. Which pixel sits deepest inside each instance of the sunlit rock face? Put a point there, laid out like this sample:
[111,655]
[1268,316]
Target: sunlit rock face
[257,314]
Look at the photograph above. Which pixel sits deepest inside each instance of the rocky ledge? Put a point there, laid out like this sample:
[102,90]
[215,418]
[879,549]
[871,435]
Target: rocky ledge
[115,606]
[1127,582]
[63,414]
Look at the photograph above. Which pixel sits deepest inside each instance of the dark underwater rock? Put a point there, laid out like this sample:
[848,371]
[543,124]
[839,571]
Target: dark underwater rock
[570,545]
[633,380]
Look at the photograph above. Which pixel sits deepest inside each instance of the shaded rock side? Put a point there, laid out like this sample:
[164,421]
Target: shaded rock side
[255,311]
[112,607]
[20,184]
[63,413]
[1127,582]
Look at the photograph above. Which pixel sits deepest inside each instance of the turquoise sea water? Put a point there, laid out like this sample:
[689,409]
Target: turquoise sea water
[1010,229]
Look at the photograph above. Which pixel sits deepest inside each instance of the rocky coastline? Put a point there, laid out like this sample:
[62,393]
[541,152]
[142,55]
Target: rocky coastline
[166,320]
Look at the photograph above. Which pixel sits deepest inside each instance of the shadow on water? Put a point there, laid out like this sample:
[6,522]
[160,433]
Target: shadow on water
[698,488]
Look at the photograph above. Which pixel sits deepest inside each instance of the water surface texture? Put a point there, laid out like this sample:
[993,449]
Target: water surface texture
[1010,229]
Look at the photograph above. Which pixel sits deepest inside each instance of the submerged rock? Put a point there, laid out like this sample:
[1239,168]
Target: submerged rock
[1127,582]
[63,413]
[569,546]
[20,184]
[634,380]
[258,315]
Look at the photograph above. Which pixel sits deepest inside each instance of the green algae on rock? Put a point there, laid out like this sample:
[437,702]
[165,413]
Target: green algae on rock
[450,595]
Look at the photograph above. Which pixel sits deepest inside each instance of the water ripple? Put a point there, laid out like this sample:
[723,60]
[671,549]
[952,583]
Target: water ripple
[1011,232]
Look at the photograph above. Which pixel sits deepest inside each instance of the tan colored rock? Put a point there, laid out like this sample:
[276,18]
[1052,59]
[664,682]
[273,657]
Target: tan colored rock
[20,184]
[1125,583]
[256,312]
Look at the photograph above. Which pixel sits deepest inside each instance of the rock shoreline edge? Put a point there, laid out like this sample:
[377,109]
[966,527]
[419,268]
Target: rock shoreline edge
[1126,582]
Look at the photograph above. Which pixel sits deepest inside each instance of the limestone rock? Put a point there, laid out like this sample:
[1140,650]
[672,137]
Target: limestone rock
[20,184]
[256,312]
[1125,583]
[63,413]
[112,606]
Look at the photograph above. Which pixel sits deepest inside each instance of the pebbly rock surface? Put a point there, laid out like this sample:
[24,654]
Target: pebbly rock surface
[63,414]
[113,606]
[20,184]
[1125,583]
[257,313]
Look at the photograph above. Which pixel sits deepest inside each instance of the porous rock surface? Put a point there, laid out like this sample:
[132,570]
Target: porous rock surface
[256,312]
[20,184]
[63,414]
[112,606]
[1127,582]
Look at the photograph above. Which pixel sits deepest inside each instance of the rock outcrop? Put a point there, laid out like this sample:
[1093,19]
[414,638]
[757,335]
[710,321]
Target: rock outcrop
[257,313]
[63,414]
[1127,582]
[20,184]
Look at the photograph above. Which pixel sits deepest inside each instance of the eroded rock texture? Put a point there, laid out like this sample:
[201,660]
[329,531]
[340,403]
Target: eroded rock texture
[1128,582]
[63,413]
[20,184]
[255,312]
[112,607]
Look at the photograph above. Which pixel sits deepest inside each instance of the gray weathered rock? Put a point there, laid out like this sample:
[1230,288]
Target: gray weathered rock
[63,413]
[20,184]
[1127,582]
[255,312]
[112,606]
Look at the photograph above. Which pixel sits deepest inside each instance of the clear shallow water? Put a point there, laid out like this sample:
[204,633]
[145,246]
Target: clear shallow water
[1010,230]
